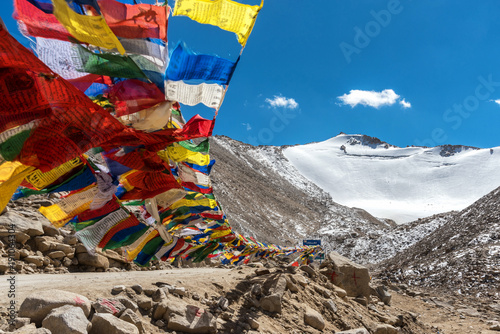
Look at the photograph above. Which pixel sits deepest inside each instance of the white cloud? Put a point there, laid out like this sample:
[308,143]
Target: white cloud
[387,97]
[281,101]
[496,101]
[248,126]
[405,104]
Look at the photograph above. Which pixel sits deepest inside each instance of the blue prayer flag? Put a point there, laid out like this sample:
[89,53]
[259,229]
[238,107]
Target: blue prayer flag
[186,65]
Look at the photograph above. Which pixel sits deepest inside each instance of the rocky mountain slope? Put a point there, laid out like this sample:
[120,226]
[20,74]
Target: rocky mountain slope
[265,197]
[462,255]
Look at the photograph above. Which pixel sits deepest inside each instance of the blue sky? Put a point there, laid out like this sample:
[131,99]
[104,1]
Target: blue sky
[407,72]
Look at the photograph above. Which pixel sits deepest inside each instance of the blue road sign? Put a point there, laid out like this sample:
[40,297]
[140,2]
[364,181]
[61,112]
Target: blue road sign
[311,242]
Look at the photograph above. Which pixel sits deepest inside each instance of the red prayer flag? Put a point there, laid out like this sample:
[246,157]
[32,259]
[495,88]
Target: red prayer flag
[133,95]
[135,21]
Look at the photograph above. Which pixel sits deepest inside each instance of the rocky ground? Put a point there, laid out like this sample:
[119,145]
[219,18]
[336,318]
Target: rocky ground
[264,297]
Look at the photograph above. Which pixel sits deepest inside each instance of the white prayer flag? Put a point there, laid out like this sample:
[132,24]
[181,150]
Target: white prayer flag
[208,94]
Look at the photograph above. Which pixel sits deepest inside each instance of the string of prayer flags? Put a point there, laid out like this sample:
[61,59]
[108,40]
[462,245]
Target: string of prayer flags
[209,94]
[186,65]
[87,29]
[225,14]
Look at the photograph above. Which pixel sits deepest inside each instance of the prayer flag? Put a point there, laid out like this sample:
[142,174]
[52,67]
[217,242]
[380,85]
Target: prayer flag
[208,94]
[186,65]
[87,29]
[61,57]
[225,14]
[11,176]
[135,21]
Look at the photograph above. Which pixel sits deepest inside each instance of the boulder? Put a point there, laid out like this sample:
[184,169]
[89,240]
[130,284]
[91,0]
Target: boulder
[290,285]
[355,331]
[108,305]
[310,271]
[144,302]
[131,317]
[301,280]
[127,303]
[67,319]
[383,294]
[4,265]
[97,260]
[109,324]
[56,255]
[271,303]
[37,305]
[330,305]
[30,227]
[160,310]
[36,260]
[314,319]
[117,289]
[49,229]
[196,320]
[21,237]
[355,279]
[31,329]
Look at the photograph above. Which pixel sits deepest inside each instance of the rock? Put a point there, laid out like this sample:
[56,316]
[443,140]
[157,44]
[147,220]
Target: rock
[355,331]
[37,305]
[253,323]
[28,226]
[67,249]
[56,255]
[301,280]
[137,288]
[144,302]
[67,319]
[385,329]
[181,291]
[31,329]
[470,312]
[330,305]
[131,317]
[262,271]
[117,289]
[290,285]
[111,254]
[4,265]
[108,305]
[223,303]
[97,260]
[361,300]
[158,295]
[310,271]
[495,327]
[356,278]
[160,310]
[70,240]
[67,262]
[322,291]
[49,229]
[383,294]
[109,324]
[128,303]
[339,291]
[256,289]
[196,320]
[271,303]
[314,319]
[22,252]
[21,237]
[160,323]
[36,260]
[20,322]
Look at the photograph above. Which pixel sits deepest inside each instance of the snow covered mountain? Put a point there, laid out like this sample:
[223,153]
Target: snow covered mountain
[402,184]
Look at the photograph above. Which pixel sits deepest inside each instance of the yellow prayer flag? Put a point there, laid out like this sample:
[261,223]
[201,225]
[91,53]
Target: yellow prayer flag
[60,213]
[181,154]
[225,14]
[40,180]
[134,249]
[87,29]
[11,176]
